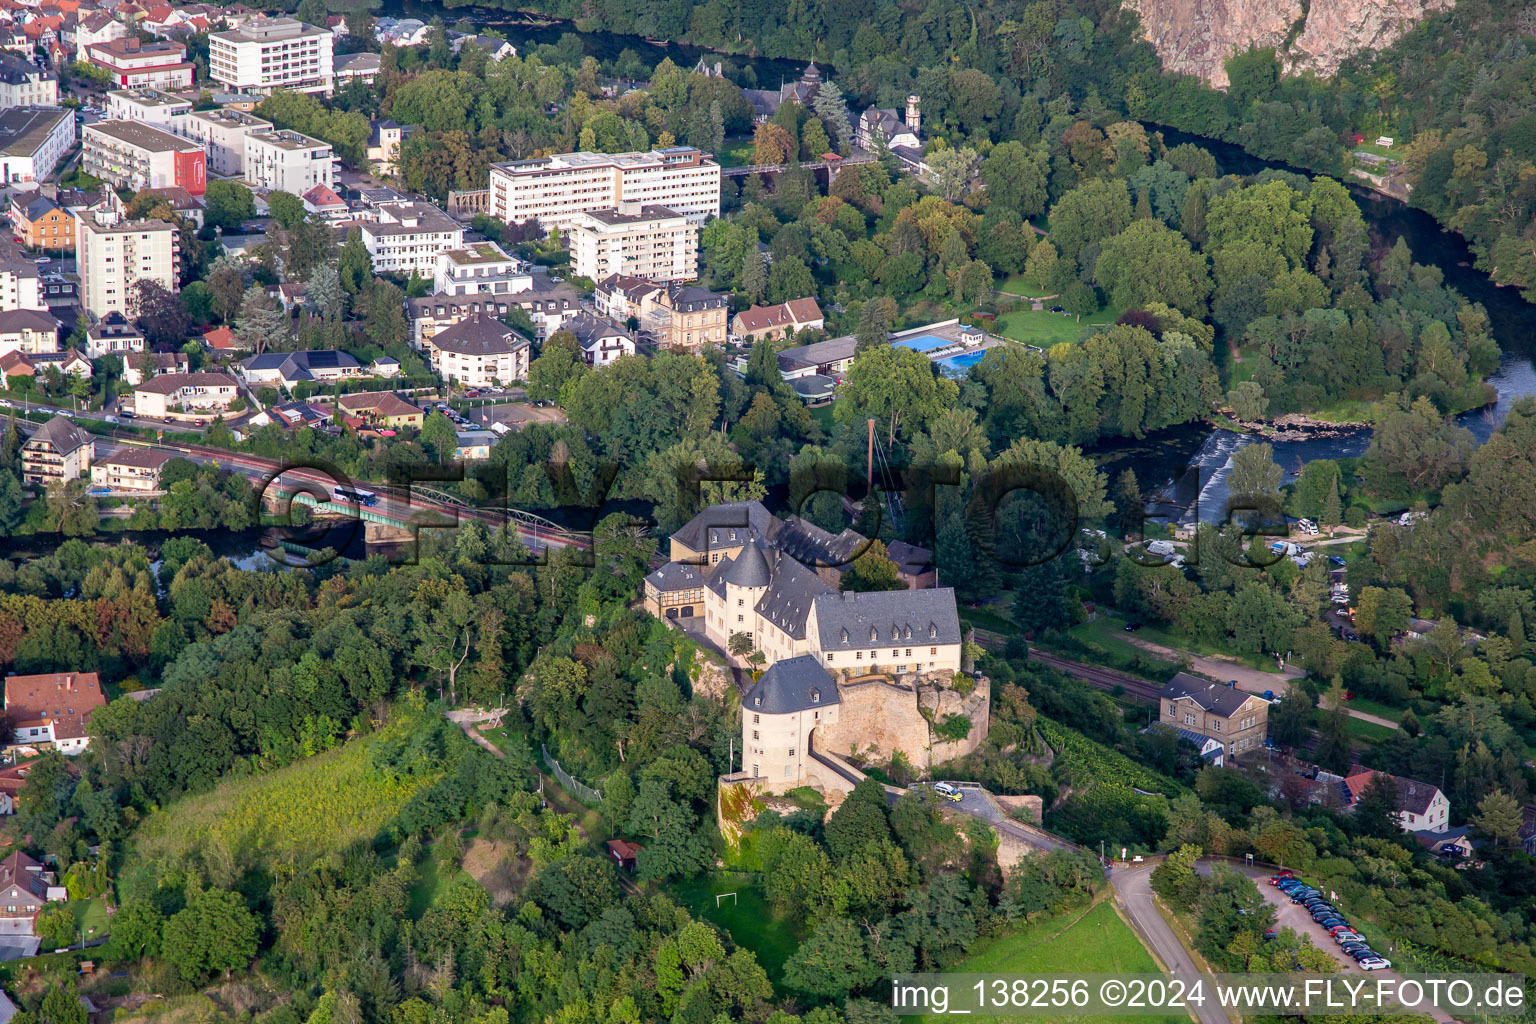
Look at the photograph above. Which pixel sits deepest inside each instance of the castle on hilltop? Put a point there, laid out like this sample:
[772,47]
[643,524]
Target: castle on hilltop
[864,672]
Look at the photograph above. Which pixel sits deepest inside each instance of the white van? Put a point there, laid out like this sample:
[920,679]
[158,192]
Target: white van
[948,792]
[1307,527]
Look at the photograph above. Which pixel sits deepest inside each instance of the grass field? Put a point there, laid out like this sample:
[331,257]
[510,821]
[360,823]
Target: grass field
[748,919]
[1369,732]
[1045,328]
[1109,629]
[1376,708]
[735,153]
[90,917]
[307,808]
[1021,284]
[435,877]
[1096,942]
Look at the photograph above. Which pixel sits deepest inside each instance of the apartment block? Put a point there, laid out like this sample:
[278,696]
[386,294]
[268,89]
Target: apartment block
[222,134]
[133,64]
[653,242]
[113,255]
[480,269]
[185,394]
[479,351]
[266,54]
[136,155]
[554,190]
[56,453]
[131,469]
[287,161]
[19,285]
[408,237]
[32,142]
[22,84]
[148,105]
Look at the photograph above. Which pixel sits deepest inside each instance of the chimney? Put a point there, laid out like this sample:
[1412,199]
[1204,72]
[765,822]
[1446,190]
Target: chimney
[132,43]
[914,113]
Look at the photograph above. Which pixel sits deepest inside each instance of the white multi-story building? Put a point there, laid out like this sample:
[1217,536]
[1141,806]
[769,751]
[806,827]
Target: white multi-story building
[113,335]
[19,286]
[287,161]
[480,269]
[148,105]
[112,255]
[222,134]
[136,155]
[408,237]
[22,84]
[478,351]
[652,242]
[266,54]
[160,64]
[32,142]
[554,190]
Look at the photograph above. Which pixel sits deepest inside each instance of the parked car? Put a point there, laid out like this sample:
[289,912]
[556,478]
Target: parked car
[1131,627]
[948,792]
[43,259]
[1375,963]
[126,414]
[1364,954]
[1337,560]
[473,393]
[1281,876]
[1337,928]
[1057,309]
[199,423]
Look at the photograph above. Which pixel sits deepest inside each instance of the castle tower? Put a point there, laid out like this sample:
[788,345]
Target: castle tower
[914,114]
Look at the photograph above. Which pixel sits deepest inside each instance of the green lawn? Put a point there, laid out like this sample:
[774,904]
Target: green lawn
[1369,732]
[735,153]
[435,877]
[1044,328]
[1098,942]
[747,918]
[1023,284]
[1376,708]
[90,917]
[822,414]
[1109,629]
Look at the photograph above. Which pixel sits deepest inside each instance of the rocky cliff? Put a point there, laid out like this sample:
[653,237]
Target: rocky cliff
[1195,37]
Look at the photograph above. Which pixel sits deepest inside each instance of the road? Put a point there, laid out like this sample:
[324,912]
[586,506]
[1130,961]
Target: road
[1133,886]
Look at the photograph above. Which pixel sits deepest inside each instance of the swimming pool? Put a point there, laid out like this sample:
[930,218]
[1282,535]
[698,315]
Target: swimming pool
[923,342]
[960,365]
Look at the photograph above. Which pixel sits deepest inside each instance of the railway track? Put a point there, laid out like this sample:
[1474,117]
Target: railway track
[1096,675]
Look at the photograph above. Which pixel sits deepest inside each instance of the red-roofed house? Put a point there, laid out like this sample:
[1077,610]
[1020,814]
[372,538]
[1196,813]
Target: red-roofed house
[323,201]
[221,339]
[53,709]
[757,323]
[1421,807]
[624,853]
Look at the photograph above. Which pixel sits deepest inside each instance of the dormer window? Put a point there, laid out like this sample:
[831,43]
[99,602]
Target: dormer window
[757,701]
[815,696]
[873,636]
[933,631]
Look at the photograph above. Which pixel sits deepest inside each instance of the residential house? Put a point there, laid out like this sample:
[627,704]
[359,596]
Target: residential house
[901,135]
[478,351]
[549,305]
[165,362]
[775,323]
[621,298]
[24,84]
[1421,807]
[483,268]
[28,331]
[766,102]
[131,469]
[53,709]
[601,342]
[56,453]
[97,27]
[474,445]
[137,155]
[286,161]
[408,238]
[222,134]
[113,335]
[351,67]
[652,242]
[266,54]
[384,366]
[382,409]
[554,190]
[14,365]
[1235,717]
[292,415]
[23,892]
[185,394]
[151,106]
[41,223]
[292,368]
[221,339]
[686,318]
[384,139]
[325,203]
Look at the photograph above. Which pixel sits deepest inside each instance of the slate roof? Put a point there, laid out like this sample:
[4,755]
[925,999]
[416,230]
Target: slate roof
[590,330]
[14,321]
[853,621]
[693,299]
[676,576]
[1224,700]
[299,365]
[818,353]
[479,334]
[137,458]
[794,684]
[747,569]
[65,437]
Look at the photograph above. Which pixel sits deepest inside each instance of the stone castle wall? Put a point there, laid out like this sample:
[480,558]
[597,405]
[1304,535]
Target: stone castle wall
[876,718]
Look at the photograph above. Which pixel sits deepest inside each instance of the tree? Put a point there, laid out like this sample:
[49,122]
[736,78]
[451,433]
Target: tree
[1040,265]
[1380,614]
[1247,400]
[324,294]
[1377,809]
[874,327]
[831,962]
[226,280]
[229,203]
[771,145]
[445,619]
[1255,479]
[1016,175]
[894,386]
[72,511]
[214,932]
[1290,721]
[287,209]
[739,645]
[1150,262]
[159,313]
[1333,513]
[872,570]
[953,171]
[354,266]
[1499,819]
[439,436]
[833,111]
[261,325]
[754,276]
[62,1005]
[1091,213]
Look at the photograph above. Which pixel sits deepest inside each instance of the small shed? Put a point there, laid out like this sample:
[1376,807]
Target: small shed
[624,853]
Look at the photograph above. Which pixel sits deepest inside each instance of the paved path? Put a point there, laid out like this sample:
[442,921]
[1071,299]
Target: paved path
[1133,887]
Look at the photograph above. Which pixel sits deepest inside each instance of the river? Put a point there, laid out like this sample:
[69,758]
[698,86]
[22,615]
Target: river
[1184,468]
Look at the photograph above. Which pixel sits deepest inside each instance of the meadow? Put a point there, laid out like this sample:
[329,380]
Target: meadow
[305,809]
[1068,945]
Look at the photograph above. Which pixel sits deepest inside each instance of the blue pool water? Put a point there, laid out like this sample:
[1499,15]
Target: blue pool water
[923,343]
[960,365]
